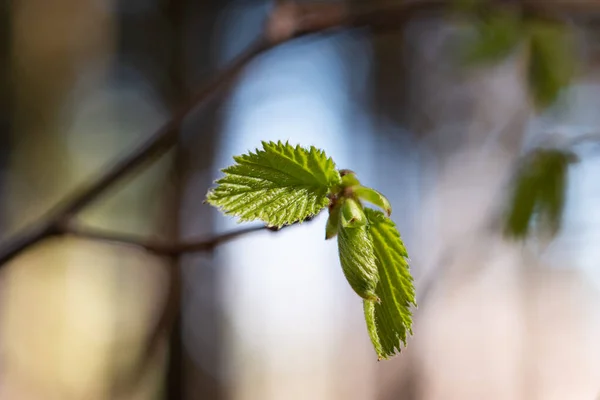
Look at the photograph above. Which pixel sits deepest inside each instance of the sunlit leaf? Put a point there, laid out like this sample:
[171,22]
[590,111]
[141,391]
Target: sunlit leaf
[389,321]
[279,184]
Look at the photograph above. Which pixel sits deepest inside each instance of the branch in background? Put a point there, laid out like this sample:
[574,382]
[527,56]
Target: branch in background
[587,138]
[287,21]
[170,311]
[161,247]
[558,140]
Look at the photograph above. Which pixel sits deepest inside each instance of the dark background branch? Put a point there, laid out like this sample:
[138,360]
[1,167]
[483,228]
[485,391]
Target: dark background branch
[160,247]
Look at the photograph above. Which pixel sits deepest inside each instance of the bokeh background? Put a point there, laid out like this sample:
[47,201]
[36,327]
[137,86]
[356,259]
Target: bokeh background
[269,316]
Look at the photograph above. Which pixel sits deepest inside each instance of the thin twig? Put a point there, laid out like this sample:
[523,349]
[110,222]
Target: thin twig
[557,140]
[313,17]
[160,247]
[587,138]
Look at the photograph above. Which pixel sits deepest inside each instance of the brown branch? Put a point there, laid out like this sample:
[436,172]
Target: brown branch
[298,20]
[160,247]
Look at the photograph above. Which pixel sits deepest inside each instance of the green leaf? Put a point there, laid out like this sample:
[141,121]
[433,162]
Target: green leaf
[352,215]
[497,36]
[279,184]
[373,197]
[539,193]
[390,321]
[551,60]
[371,320]
[357,257]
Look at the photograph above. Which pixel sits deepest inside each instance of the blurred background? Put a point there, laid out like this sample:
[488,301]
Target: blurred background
[270,316]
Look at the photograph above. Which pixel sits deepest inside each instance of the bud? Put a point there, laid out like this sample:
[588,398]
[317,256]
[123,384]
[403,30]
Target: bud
[357,257]
[352,215]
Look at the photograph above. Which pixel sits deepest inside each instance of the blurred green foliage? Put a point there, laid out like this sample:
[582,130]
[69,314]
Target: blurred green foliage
[551,60]
[499,31]
[497,35]
[538,192]
[538,196]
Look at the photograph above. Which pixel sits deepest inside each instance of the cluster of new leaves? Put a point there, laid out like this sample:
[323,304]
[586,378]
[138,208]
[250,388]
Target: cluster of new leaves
[500,31]
[539,193]
[282,185]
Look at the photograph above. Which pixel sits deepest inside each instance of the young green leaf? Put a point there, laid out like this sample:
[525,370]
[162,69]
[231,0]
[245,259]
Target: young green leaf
[279,184]
[389,321]
[358,261]
[551,60]
[371,320]
[352,215]
[373,197]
